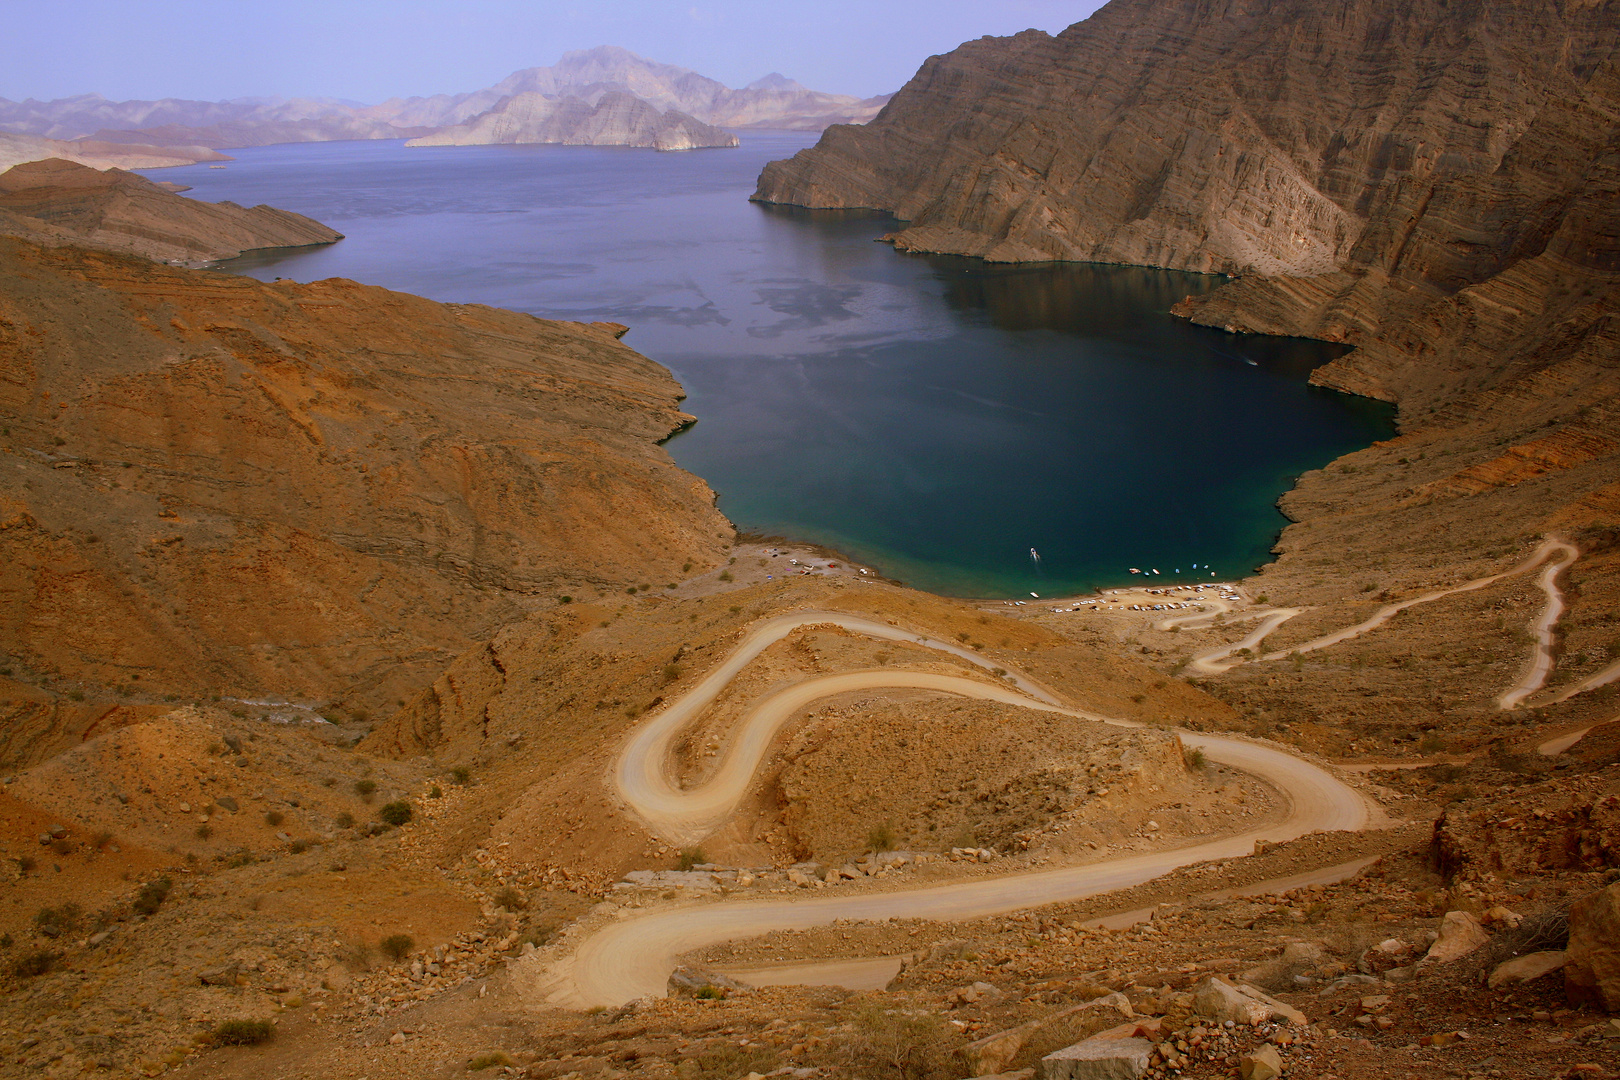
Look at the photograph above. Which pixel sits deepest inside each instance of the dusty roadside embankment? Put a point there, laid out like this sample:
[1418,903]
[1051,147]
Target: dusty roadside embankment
[322,492]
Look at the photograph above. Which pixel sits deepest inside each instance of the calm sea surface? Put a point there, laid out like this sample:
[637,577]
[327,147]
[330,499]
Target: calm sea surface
[935,417]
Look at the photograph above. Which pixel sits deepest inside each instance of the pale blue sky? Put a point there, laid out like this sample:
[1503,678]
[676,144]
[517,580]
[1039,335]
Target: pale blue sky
[369,50]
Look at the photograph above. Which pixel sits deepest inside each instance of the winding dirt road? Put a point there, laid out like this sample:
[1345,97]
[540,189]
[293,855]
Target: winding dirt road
[1214,661]
[633,958]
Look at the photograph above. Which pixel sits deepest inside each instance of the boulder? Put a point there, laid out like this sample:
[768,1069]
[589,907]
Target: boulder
[694,982]
[1263,1063]
[1220,1001]
[1099,1058]
[1460,934]
[995,1052]
[224,975]
[1592,961]
[1527,968]
[1240,1003]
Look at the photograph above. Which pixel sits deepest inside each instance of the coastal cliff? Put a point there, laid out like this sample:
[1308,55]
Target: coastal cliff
[617,119]
[56,201]
[328,491]
[1206,135]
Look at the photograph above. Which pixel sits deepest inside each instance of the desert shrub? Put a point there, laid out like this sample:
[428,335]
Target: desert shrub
[395,813]
[901,1046]
[34,964]
[726,1061]
[488,1061]
[1139,698]
[435,792]
[461,774]
[151,896]
[691,857]
[102,839]
[510,899]
[204,832]
[75,695]
[58,920]
[242,1032]
[725,575]
[26,864]
[1546,930]
[565,599]
[62,846]
[1432,744]
[240,859]
[298,847]
[881,838]
[397,946]
[1196,758]
[672,672]
[365,788]
[345,820]
[273,818]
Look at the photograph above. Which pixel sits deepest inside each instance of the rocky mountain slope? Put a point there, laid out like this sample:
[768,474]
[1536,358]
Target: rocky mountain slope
[1220,136]
[617,119]
[770,102]
[99,154]
[316,492]
[56,201]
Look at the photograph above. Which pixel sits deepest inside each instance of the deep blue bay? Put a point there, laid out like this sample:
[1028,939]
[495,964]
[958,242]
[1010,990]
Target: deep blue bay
[934,417]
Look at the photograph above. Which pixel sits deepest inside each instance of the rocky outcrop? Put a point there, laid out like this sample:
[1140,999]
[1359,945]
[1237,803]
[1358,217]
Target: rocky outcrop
[315,492]
[1214,136]
[61,201]
[1592,961]
[99,154]
[617,119]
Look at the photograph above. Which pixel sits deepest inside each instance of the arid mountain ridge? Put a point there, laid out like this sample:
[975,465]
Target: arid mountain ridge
[61,202]
[588,75]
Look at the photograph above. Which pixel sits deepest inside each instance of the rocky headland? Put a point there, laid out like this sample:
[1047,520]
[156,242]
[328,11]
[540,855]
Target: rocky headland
[56,201]
[616,119]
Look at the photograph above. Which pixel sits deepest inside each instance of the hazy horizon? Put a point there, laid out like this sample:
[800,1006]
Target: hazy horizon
[372,50]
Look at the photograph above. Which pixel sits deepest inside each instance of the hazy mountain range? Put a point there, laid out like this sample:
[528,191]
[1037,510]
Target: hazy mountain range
[771,102]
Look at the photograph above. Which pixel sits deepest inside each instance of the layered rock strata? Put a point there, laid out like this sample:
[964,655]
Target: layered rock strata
[61,201]
[1211,136]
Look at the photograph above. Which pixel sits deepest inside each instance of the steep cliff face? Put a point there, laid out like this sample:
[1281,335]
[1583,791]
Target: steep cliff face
[1211,135]
[319,492]
[617,119]
[55,200]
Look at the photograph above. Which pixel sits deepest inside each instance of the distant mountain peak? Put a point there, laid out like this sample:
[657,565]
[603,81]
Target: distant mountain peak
[777,81]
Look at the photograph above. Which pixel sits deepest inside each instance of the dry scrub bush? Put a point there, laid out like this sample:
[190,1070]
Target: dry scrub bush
[152,895]
[488,1061]
[397,946]
[726,1062]
[395,813]
[690,857]
[33,964]
[881,838]
[510,899]
[901,1046]
[1541,931]
[242,1032]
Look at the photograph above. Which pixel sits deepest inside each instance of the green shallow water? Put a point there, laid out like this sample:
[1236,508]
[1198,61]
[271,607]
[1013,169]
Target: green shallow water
[935,417]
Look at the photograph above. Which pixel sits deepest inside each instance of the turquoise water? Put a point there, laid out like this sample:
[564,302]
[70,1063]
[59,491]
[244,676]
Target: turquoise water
[935,417]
